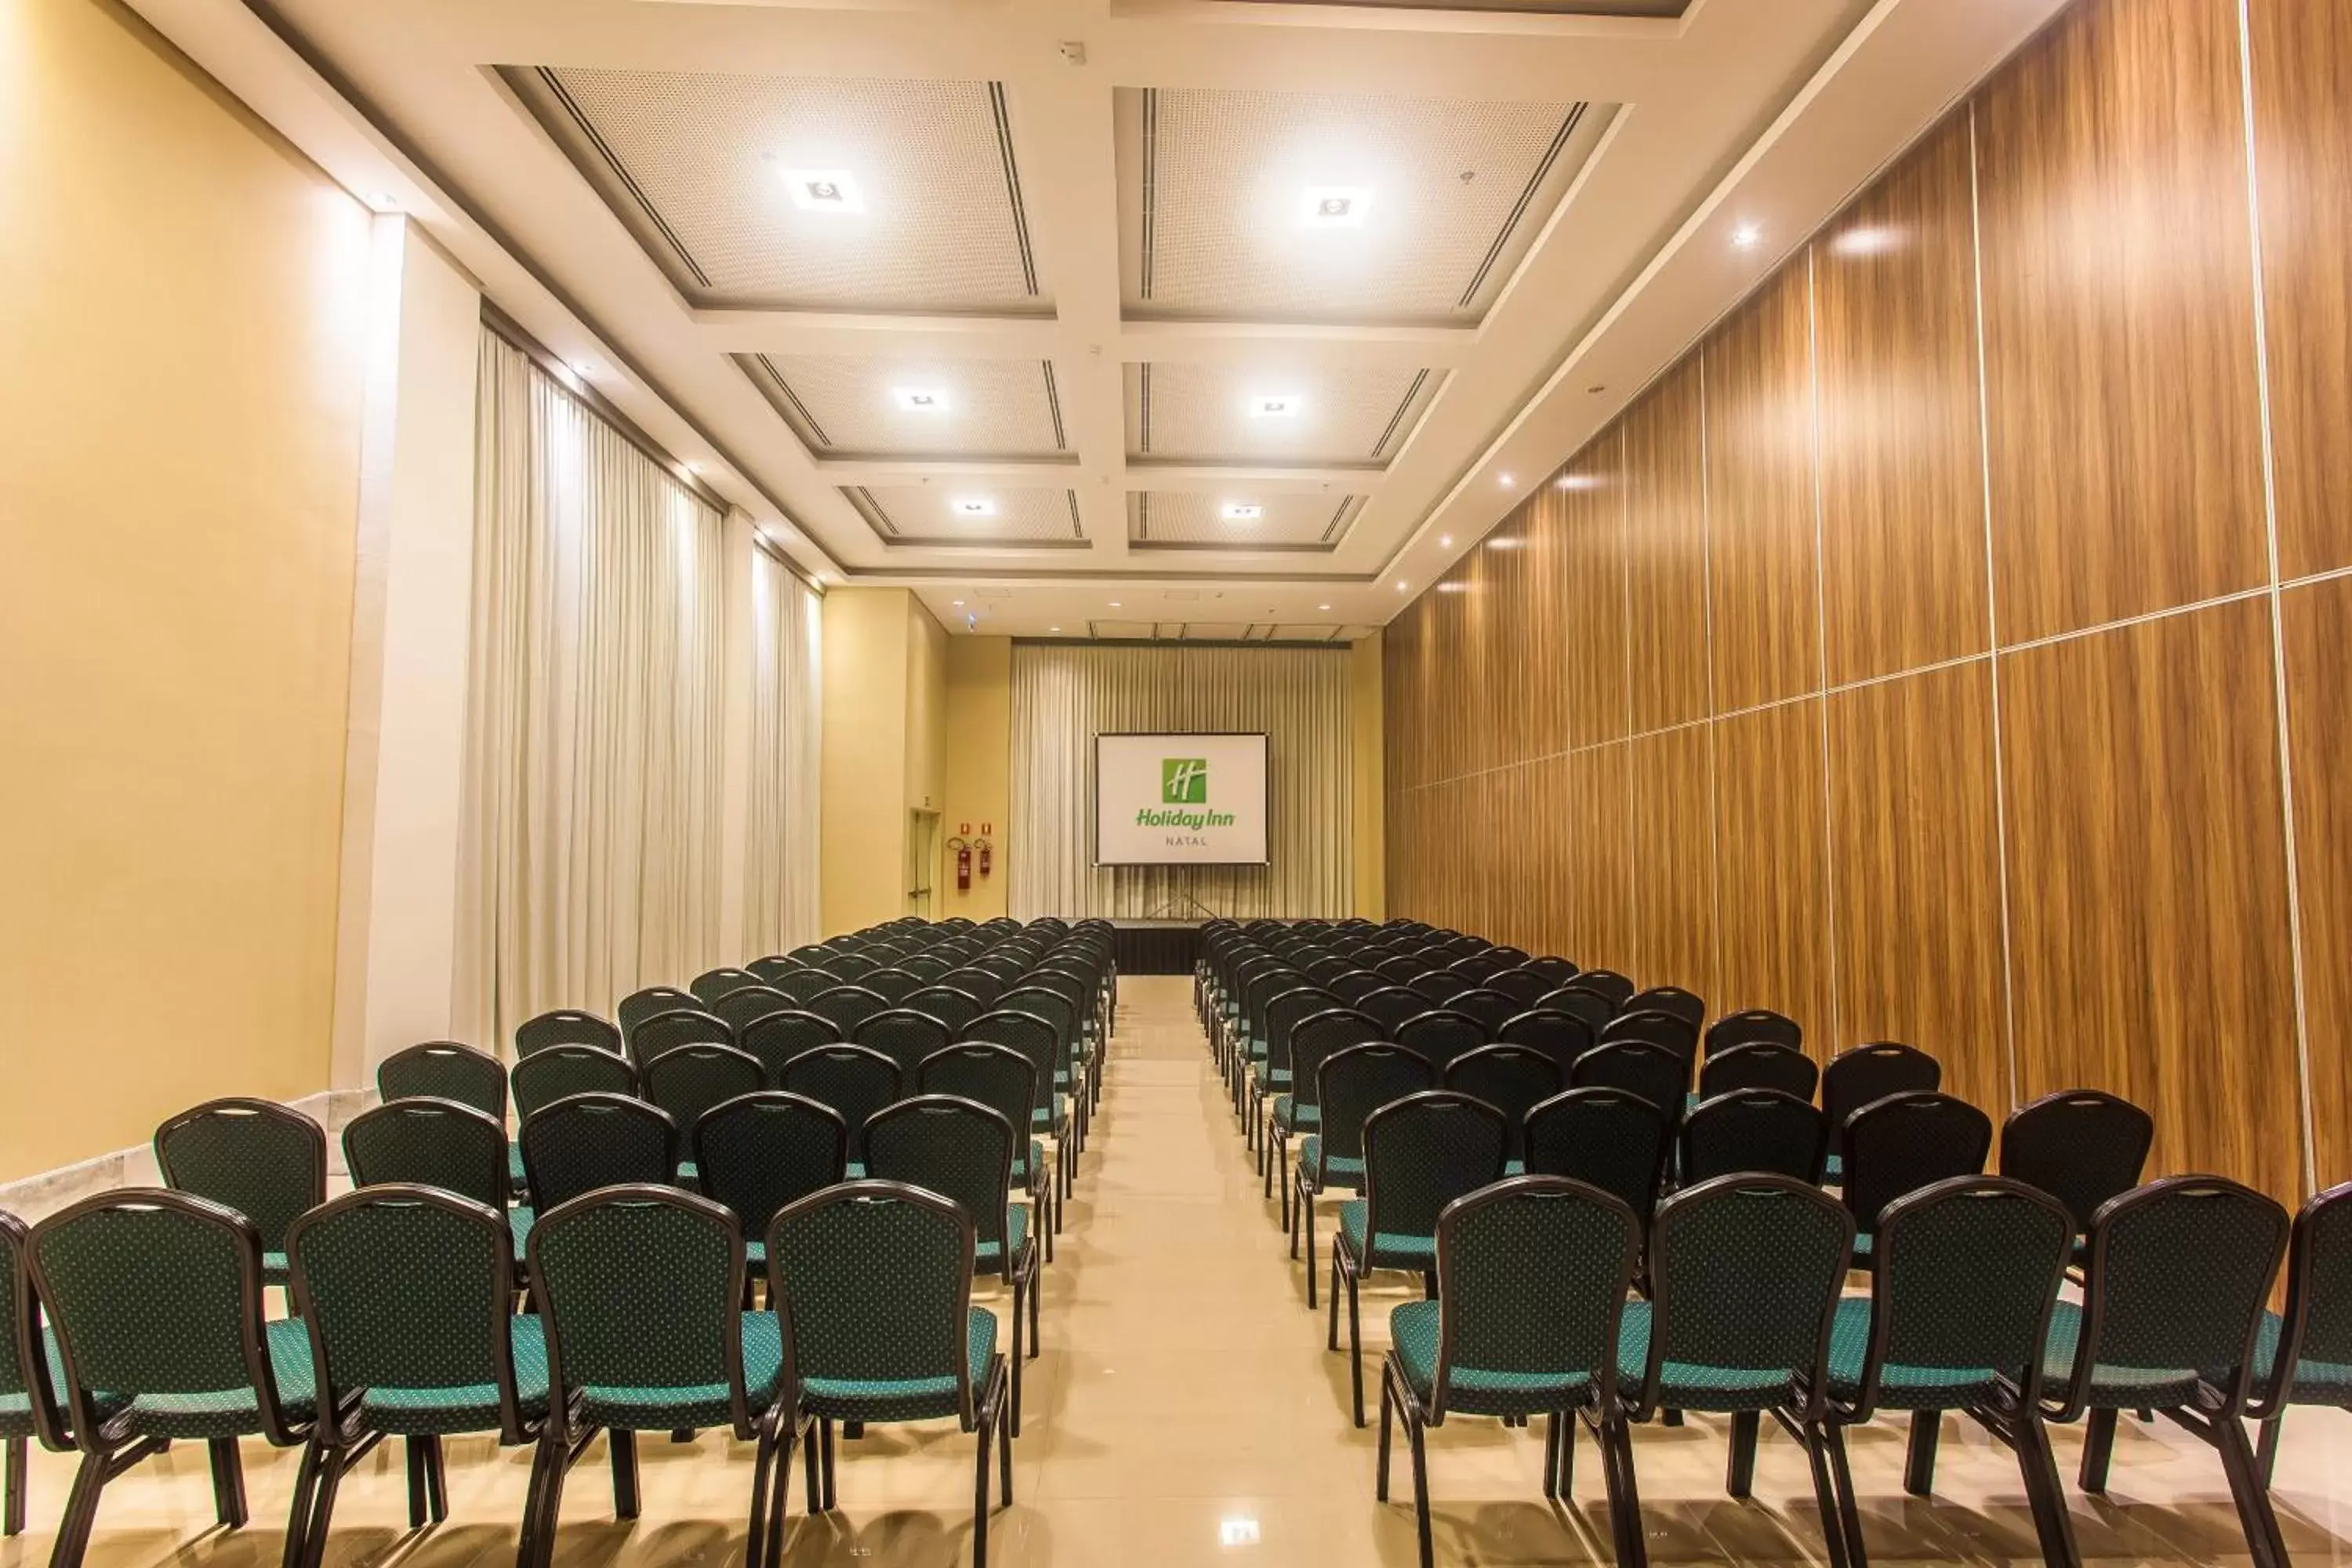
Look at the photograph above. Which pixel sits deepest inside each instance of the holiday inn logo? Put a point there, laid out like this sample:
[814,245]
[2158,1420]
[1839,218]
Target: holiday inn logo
[1184,781]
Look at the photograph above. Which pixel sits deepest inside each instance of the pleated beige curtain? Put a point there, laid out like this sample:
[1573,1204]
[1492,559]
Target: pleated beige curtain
[590,851]
[780,882]
[1064,695]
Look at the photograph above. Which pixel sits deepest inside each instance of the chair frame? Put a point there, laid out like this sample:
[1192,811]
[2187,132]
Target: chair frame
[2267,1404]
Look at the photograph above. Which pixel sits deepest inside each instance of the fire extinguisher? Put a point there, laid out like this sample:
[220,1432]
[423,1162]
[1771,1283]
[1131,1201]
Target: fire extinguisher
[963,863]
[982,845]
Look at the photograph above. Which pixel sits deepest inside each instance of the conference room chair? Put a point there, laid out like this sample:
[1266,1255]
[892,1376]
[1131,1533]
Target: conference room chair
[774,967]
[711,985]
[927,967]
[565,1027]
[689,1080]
[1557,970]
[1471,973]
[2304,1355]
[758,1152]
[1562,1037]
[1532,1276]
[892,1336]
[1491,1008]
[964,1151]
[1081,1014]
[1752,1129]
[804,984]
[1352,1084]
[1744,1276]
[666,1032]
[1855,1077]
[586,1142]
[1040,1045]
[155,1297]
[424,1143]
[1437,987]
[1391,1005]
[951,1007]
[1397,969]
[1328,967]
[1002,1079]
[639,1293]
[2080,1146]
[893,985]
[1687,1005]
[903,1035]
[1259,984]
[776,1038]
[1272,1072]
[2173,1293]
[560,1072]
[1441,1034]
[1904,1143]
[1606,983]
[978,983]
[853,1080]
[445,1069]
[1352,986]
[847,1006]
[1608,1138]
[853,967]
[745,1006]
[256,1157]
[406,1292]
[1677,1033]
[1753,1027]
[1421,1152]
[1652,1071]
[1056,1010]
[1313,1040]
[1591,1008]
[1514,1079]
[652,1002]
[29,1376]
[1524,986]
[1962,1285]
[1792,1072]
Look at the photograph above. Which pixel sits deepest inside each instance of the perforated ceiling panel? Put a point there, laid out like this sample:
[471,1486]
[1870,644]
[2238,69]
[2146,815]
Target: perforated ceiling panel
[818,193]
[1327,416]
[1219,520]
[969,514]
[844,408]
[1311,206]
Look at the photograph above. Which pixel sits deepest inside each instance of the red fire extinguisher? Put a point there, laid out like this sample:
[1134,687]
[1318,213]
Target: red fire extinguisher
[982,845]
[963,863]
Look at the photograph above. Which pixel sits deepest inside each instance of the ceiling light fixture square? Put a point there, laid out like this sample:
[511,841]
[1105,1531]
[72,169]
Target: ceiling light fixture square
[1241,512]
[919,399]
[1334,207]
[825,190]
[973,506]
[1275,405]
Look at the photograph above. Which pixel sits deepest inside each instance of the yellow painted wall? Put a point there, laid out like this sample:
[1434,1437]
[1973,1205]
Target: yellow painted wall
[864,801]
[978,767]
[183,301]
[1367,784]
[927,663]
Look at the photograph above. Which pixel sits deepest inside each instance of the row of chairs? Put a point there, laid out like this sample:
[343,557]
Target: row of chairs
[1416,1155]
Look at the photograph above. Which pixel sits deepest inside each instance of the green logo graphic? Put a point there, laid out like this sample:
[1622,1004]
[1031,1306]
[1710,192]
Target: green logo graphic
[1184,781]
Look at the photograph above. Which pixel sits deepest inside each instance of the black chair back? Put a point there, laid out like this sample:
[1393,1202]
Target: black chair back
[1792,1072]
[1856,1077]
[1441,1034]
[666,1032]
[1905,1142]
[1753,1027]
[1608,1138]
[1562,1037]
[1514,1079]
[591,1140]
[2080,1146]
[854,1081]
[564,1026]
[757,1152]
[558,1072]
[1654,1072]
[1752,1129]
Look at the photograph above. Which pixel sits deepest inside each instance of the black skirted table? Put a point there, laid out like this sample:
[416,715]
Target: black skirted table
[1156,947]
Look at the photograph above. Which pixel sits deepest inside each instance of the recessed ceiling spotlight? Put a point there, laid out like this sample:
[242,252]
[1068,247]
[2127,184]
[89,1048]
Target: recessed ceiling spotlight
[1053,629]
[1322,606]
[1334,207]
[825,190]
[919,399]
[957,604]
[1399,584]
[1871,239]
[1241,512]
[1445,541]
[1505,480]
[1273,405]
[1114,603]
[1747,236]
[973,506]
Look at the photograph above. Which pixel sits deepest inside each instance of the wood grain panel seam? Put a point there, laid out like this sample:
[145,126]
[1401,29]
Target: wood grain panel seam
[1821,644]
[1706,601]
[2278,630]
[1992,618]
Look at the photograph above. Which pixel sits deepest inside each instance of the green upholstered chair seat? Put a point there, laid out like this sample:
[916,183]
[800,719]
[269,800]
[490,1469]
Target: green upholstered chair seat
[1412,1328]
[274,1268]
[687,1174]
[1515,1168]
[1022,1167]
[1047,1120]
[903,1399]
[519,1219]
[1339,1170]
[514,1166]
[1862,1240]
[1900,1387]
[469,1407]
[16,1409]
[2315,1382]
[988,1257]
[234,1412]
[853,1171]
[2112,1387]
[1290,1116]
[1833,1170]
[702,1404]
[1256,1049]
[1684,1386]
[1272,1077]
[1392,1250]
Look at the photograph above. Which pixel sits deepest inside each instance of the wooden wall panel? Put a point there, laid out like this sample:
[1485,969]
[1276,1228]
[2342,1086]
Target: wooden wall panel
[1673,896]
[2302,67]
[1762,571]
[1599,687]
[1917,861]
[1599,794]
[1903,543]
[1528,551]
[2146,872]
[1771,838]
[2119,347]
[2317,622]
[1666,533]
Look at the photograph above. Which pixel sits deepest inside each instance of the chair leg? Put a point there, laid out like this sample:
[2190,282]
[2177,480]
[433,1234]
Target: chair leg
[831,1498]
[1558,1455]
[1004,1458]
[2252,1497]
[1919,1462]
[1842,1479]
[1740,1472]
[81,1512]
[762,1462]
[1825,1496]
[301,1512]
[790,1432]
[1355,1345]
[1388,1416]
[980,1502]
[1616,1446]
[419,1485]
[228,1482]
[814,1457]
[545,1504]
[1020,1315]
[2265,1456]
[12,1508]
[1413,1438]
[625,1472]
[2098,1447]
[1307,1226]
[2038,1467]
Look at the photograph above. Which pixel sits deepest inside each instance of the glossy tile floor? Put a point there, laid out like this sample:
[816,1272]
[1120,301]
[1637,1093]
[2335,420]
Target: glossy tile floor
[1185,1412]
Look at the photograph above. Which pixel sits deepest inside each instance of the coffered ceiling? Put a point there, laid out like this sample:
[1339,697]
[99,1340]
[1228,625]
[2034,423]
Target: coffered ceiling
[1120,317]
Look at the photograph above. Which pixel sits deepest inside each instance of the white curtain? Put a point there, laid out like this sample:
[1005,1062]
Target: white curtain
[780,881]
[590,855]
[1066,694]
